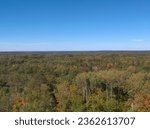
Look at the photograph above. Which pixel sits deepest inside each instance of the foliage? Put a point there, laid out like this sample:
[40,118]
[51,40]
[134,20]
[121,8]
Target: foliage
[75,82]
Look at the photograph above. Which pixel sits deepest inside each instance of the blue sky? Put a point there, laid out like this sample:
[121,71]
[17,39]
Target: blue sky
[53,25]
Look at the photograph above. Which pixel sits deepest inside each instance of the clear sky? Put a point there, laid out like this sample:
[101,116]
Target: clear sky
[50,25]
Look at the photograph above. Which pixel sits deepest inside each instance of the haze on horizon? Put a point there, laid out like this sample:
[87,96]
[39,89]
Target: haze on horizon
[69,25]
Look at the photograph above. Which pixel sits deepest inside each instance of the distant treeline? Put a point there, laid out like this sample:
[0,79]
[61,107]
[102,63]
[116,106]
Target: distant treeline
[75,81]
[71,52]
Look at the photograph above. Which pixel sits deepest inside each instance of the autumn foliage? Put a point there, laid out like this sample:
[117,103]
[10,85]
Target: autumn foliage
[71,82]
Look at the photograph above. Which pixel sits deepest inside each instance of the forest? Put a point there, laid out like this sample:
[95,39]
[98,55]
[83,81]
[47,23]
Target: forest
[75,82]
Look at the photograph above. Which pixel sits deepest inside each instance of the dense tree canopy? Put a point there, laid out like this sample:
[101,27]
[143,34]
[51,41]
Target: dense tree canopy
[75,82]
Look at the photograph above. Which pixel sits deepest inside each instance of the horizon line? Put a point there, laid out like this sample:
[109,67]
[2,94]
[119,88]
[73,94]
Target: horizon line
[72,50]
